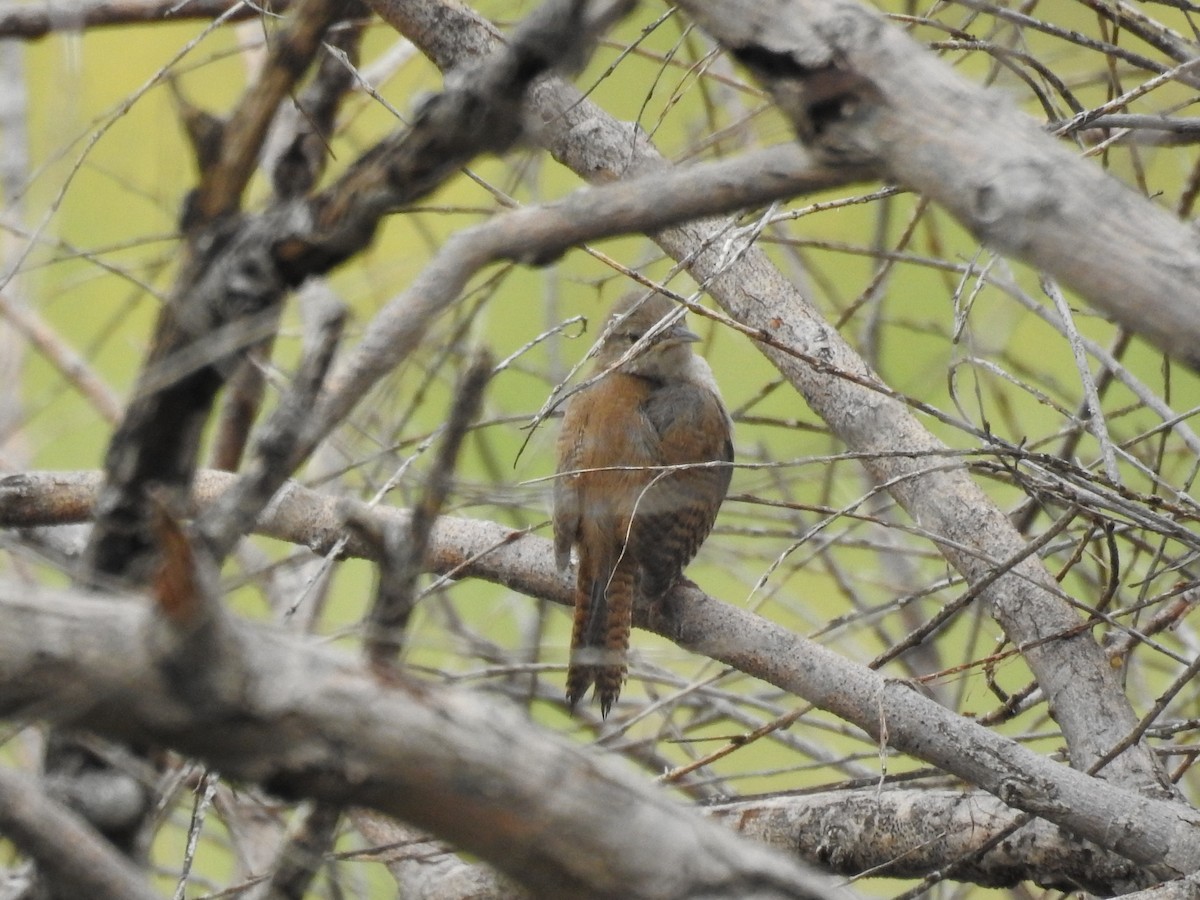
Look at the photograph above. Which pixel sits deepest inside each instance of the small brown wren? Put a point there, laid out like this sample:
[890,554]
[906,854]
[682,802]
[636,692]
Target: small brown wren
[634,521]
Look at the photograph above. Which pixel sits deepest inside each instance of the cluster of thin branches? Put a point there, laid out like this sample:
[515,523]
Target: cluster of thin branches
[1075,421]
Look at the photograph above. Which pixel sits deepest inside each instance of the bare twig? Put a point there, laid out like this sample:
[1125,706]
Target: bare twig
[59,354]
[1094,413]
[35,20]
[402,561]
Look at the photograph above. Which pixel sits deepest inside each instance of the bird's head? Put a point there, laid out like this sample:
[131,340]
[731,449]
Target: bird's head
[666,351]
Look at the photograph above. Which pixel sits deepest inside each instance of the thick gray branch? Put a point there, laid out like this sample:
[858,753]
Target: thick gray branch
[858,89]
[306,722]
[1160,836]
[909,833]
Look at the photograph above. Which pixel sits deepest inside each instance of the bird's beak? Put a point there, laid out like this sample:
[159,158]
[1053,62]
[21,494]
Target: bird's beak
[680,334]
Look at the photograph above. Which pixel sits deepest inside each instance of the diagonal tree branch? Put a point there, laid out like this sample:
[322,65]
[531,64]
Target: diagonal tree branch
[858,89]
[241,267]
[1160,836]
[305,722]
[1083,691]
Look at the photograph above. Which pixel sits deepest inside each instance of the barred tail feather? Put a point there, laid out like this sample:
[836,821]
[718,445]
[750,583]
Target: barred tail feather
[600,634]
[610,676]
